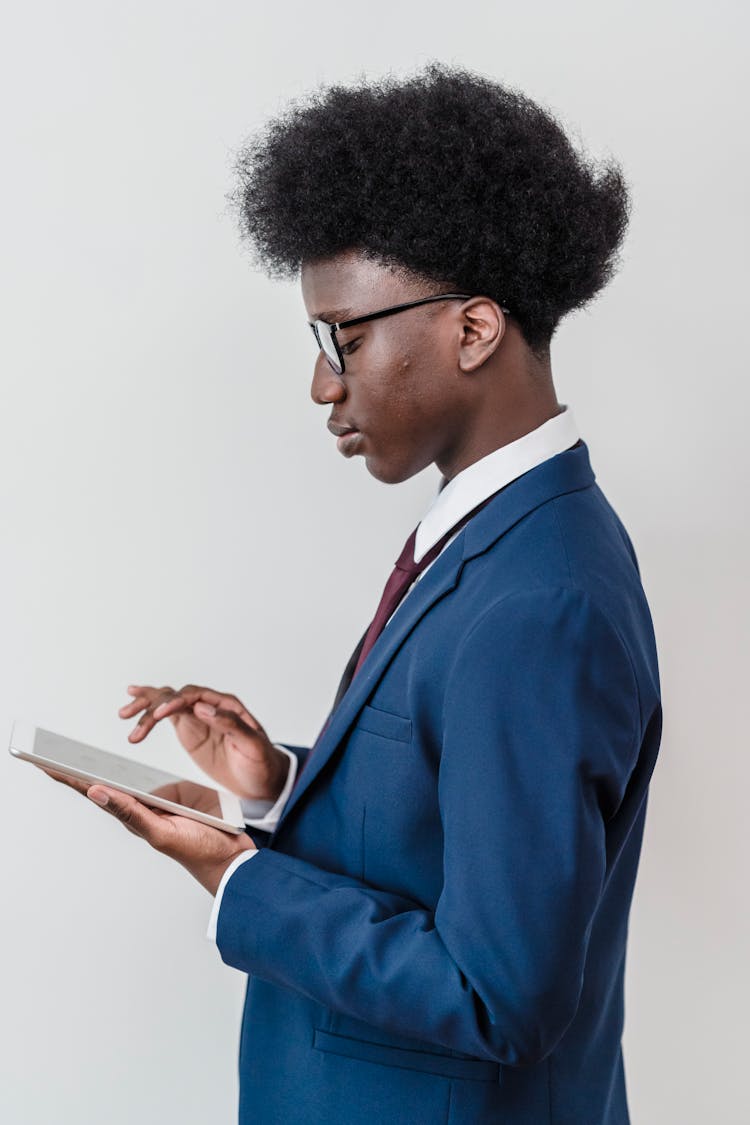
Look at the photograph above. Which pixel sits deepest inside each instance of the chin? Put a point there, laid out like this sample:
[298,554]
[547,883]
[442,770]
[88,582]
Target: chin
[391,474]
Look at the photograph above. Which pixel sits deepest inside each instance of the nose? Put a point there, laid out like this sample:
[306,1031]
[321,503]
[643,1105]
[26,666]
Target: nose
[327,386]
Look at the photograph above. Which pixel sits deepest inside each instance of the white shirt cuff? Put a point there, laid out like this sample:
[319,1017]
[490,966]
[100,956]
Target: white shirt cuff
[236,862]
[256,814]
[266,814]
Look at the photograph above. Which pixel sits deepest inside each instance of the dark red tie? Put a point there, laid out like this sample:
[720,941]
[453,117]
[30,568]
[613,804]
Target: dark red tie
[405,572]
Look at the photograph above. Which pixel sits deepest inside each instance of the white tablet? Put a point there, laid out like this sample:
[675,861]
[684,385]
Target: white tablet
[152,786]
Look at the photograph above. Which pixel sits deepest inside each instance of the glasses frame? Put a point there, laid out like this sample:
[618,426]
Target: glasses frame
[332,329]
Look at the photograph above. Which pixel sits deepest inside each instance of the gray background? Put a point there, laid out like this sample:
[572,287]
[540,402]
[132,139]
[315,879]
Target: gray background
[174,509]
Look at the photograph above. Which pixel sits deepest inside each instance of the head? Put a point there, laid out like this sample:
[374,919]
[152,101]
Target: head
[419,386]
[445,182]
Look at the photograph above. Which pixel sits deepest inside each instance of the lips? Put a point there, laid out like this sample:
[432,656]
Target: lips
[339,428]
[349,442]
[348,437]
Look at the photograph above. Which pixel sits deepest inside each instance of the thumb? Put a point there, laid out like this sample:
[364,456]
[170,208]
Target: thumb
[136,817]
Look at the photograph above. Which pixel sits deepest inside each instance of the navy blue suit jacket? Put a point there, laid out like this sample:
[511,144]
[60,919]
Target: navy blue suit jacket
[436,930]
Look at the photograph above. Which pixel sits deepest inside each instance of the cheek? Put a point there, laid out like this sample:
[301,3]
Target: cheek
[402,375]
[399,406]
[418,394]
[382,387]
[402,392]
[407,433]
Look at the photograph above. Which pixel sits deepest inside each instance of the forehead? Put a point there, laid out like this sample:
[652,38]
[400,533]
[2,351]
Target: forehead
[347,285]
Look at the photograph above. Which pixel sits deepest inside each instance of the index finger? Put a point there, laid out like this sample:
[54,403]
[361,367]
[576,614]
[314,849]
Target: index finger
[143,696]
[147,701]
[191,694]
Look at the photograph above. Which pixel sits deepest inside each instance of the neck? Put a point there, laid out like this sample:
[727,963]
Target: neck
[513,396]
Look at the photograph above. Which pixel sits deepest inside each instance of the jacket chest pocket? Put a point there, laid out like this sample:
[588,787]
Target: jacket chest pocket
[384,724]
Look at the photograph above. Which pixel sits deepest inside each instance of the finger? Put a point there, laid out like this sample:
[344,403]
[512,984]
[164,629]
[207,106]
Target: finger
[142,727]
[146,692]
[136,817]
[66,779]
[225,702]
[133,707]
[144,696]
[182,700]
[147,721]
[224,721]
[191,694]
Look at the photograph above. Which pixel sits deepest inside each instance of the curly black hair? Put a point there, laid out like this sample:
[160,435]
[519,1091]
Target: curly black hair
[447,175]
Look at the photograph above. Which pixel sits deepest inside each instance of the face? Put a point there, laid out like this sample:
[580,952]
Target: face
[402,390]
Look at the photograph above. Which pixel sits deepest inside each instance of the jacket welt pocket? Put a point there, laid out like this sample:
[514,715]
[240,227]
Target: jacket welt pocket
[384,723]
[447,1066]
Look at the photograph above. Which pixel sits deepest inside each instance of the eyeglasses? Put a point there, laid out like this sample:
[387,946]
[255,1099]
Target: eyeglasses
[325,333]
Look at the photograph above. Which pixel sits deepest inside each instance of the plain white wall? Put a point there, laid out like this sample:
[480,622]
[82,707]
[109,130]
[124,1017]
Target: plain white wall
[174,509]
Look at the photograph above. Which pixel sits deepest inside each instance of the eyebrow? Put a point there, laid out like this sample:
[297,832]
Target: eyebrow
[333,316]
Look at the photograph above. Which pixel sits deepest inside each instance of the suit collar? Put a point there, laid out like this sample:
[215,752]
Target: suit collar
[484,477]
[566,472]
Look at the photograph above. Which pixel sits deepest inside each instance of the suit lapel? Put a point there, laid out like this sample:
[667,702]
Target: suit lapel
[346,679]
[566,472]
[438,580]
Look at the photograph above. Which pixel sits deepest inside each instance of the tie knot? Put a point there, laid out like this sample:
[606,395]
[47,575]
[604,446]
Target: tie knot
[405,561]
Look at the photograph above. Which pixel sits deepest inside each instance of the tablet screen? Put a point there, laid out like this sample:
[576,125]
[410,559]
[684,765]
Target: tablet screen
[118,770]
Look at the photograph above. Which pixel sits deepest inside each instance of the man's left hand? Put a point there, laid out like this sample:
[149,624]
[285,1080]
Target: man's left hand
[206,852]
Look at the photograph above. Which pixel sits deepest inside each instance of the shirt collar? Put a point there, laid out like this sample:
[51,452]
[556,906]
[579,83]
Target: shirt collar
[490,473]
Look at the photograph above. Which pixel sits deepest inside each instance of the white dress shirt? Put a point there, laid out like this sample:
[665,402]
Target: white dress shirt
[454,499]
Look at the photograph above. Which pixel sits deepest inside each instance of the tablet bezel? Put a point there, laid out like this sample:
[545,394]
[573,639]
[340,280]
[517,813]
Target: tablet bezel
[23,738]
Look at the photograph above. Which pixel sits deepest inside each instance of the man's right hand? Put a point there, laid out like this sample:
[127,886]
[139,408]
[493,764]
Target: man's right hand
[219,733]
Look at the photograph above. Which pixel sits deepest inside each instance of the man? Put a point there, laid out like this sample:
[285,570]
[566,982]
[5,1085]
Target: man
[434,920]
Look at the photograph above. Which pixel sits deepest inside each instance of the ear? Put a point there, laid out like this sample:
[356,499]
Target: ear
[483,326]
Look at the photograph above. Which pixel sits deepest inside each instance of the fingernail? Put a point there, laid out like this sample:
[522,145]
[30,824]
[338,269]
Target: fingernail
[98,798]
[204,709]
[159,708]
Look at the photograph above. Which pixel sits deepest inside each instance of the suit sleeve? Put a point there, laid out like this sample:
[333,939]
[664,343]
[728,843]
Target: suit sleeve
[541,732]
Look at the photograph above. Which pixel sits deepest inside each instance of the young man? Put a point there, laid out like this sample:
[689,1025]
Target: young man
[435,929]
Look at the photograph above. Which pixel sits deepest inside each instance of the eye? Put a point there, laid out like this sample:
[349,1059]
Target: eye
[351,346]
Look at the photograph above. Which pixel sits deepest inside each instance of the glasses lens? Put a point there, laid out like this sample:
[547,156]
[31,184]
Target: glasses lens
[328,346]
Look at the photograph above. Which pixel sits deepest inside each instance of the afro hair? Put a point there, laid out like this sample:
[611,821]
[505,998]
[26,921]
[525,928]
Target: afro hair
[446,175]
